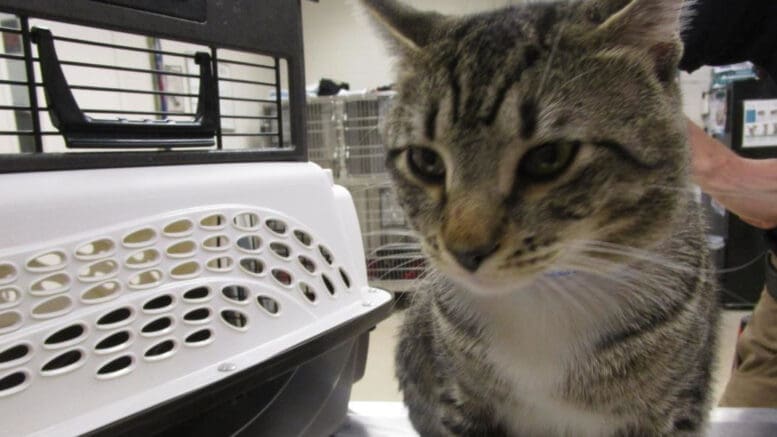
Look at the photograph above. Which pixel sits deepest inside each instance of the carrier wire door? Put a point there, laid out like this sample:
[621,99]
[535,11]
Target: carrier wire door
[170,263]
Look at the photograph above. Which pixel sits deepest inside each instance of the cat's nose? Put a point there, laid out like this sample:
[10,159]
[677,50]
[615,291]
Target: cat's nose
[471,259]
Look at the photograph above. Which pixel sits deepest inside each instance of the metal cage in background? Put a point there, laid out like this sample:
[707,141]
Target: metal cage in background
[344,134]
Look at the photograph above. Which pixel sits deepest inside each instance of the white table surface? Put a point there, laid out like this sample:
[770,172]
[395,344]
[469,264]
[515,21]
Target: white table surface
[389,419]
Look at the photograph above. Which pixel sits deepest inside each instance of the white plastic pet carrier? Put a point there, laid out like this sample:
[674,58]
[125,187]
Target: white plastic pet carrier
[148,289]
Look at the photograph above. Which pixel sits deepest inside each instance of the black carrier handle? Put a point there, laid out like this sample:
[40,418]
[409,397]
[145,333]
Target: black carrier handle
[82,131]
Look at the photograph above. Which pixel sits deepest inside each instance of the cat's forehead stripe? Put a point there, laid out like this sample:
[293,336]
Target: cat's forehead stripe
[430,124]
[528,110]
[481,109]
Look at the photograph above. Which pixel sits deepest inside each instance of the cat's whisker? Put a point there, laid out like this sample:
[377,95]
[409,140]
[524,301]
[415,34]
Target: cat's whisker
[551,56]
[605,248]
[392,233]
[750,192]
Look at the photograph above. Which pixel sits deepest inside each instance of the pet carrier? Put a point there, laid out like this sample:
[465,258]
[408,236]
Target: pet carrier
[186,274]
[344,134]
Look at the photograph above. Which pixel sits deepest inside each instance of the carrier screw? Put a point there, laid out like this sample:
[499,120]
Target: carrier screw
[227,367]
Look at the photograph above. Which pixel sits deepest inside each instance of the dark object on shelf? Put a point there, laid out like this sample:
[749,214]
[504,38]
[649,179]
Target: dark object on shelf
[328,87]
[82,131]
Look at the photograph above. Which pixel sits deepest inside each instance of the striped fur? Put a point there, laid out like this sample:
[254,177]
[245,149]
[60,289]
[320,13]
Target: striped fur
[517,345]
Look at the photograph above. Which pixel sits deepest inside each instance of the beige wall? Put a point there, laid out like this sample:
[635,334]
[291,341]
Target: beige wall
[340,45]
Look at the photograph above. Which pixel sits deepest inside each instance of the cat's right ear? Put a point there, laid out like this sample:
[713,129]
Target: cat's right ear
[406,28]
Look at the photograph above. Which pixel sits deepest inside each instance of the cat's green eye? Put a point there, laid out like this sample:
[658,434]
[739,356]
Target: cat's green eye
[426,164]
[549,160]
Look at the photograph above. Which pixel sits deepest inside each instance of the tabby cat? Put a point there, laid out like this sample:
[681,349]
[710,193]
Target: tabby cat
[539,151]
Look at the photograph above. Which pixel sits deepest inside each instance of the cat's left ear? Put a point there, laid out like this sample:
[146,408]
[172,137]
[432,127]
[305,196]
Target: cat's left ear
[650,25]
[408,29]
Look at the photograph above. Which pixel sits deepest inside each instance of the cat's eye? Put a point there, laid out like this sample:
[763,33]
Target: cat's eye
[549,160]
[426,164]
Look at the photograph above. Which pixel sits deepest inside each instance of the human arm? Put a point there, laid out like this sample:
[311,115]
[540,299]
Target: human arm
[746,187]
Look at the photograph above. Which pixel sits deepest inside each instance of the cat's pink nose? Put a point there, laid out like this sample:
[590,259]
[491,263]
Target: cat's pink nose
[471,259]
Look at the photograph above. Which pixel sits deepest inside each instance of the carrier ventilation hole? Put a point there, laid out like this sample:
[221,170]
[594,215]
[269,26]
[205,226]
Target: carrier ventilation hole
[197,316]
[281,250]
[47,262]
[345,277]
[52,284]
[14,354]
[326,254]
[282,276]
[246,221]
[12,383]
[143,259]
[140,238]
[329,286]
[118,367]
[215,221]
[307,263]
[183,249]
[303,237]
[235,319]
[216,243]
[95,249]
[157,304]
[115,318]
[147,279]
[250,243]
[179,228]
[220,264]
[160,351]
[235,293]
[199,338]
[186,270]
[9,296]
[102,292]
[198,294]
[10,321]
[53,307]
[157,327]
[66,335]
[7,273]
[269,304]
[308,292]
[63,363]
[113,342]
[252,266]
[276,226]
[98,271]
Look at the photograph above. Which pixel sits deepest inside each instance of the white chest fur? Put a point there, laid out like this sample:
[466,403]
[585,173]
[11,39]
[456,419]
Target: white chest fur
[535,343]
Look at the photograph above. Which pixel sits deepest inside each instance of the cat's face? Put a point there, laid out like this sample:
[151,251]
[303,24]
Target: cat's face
[519,135]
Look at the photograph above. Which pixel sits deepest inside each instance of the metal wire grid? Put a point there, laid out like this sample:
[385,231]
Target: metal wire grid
[248,83]
[392,252]
[362,118]
[344,134]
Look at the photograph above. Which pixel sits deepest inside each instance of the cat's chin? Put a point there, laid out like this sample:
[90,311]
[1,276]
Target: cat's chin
[487,286]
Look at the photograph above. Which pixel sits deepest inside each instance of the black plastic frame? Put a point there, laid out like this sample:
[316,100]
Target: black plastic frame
[267,27]
[174,411]
[82,131]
